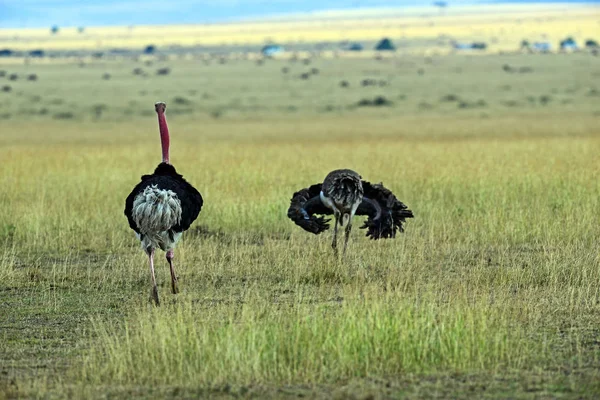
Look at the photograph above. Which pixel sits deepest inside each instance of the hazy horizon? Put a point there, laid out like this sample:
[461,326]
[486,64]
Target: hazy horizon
[45,13]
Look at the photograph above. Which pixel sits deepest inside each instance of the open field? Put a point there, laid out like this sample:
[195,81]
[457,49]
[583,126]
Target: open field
[492,292]
[426,90]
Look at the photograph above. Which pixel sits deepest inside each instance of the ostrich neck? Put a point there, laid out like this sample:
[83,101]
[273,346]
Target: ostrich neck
[164,137]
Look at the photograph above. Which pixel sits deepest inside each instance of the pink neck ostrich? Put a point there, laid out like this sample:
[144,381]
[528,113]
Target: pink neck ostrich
[161,207]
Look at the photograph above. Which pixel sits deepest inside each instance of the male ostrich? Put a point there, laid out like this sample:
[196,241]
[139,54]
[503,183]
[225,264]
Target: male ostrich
[162,206]
[344,194]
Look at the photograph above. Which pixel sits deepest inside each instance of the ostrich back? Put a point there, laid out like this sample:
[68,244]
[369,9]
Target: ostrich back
[344,188]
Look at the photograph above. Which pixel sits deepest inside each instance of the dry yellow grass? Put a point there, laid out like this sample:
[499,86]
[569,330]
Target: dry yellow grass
[504,25]
[497,273]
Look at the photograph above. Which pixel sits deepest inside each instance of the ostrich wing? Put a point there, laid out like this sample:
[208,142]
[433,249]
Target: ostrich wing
[304,204]
[386,213]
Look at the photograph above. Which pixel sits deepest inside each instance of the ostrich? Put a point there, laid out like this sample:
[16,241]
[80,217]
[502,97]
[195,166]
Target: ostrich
[161,207]
[344,194]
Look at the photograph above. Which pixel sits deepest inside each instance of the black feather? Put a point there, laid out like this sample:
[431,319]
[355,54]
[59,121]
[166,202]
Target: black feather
[304,205]
[166,177]
[386,213]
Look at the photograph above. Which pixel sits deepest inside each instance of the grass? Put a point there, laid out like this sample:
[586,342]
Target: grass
[414,29]
[303,343]
[214,92]
[492,292]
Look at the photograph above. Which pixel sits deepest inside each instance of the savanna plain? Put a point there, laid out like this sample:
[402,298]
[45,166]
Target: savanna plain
[493,291]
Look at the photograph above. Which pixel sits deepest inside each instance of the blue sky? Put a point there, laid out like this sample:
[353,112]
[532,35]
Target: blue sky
[44,13]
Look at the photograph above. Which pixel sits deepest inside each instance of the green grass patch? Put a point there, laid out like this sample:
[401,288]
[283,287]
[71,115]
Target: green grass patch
[261,343]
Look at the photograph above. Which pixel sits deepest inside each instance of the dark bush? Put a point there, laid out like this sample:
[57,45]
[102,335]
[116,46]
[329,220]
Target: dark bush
[545,99]
[591,44]
[181,101]
[36,53]
[64,115]
[381,101]
[449,98]
[98,109]
[378,101]
[368,82]
[477,104]
[163,71]
[511,103]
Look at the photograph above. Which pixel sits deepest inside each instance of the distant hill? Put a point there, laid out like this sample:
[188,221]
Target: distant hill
[45,13]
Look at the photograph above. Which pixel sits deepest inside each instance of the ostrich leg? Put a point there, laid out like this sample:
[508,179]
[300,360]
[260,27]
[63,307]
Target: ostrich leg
[347,232]
[174,287]
[348,222]
[335,231]
[154,288]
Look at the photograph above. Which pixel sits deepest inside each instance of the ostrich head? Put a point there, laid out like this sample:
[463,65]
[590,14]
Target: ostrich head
[160,108]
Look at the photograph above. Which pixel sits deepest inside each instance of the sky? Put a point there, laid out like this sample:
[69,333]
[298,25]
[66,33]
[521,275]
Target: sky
[45,13]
